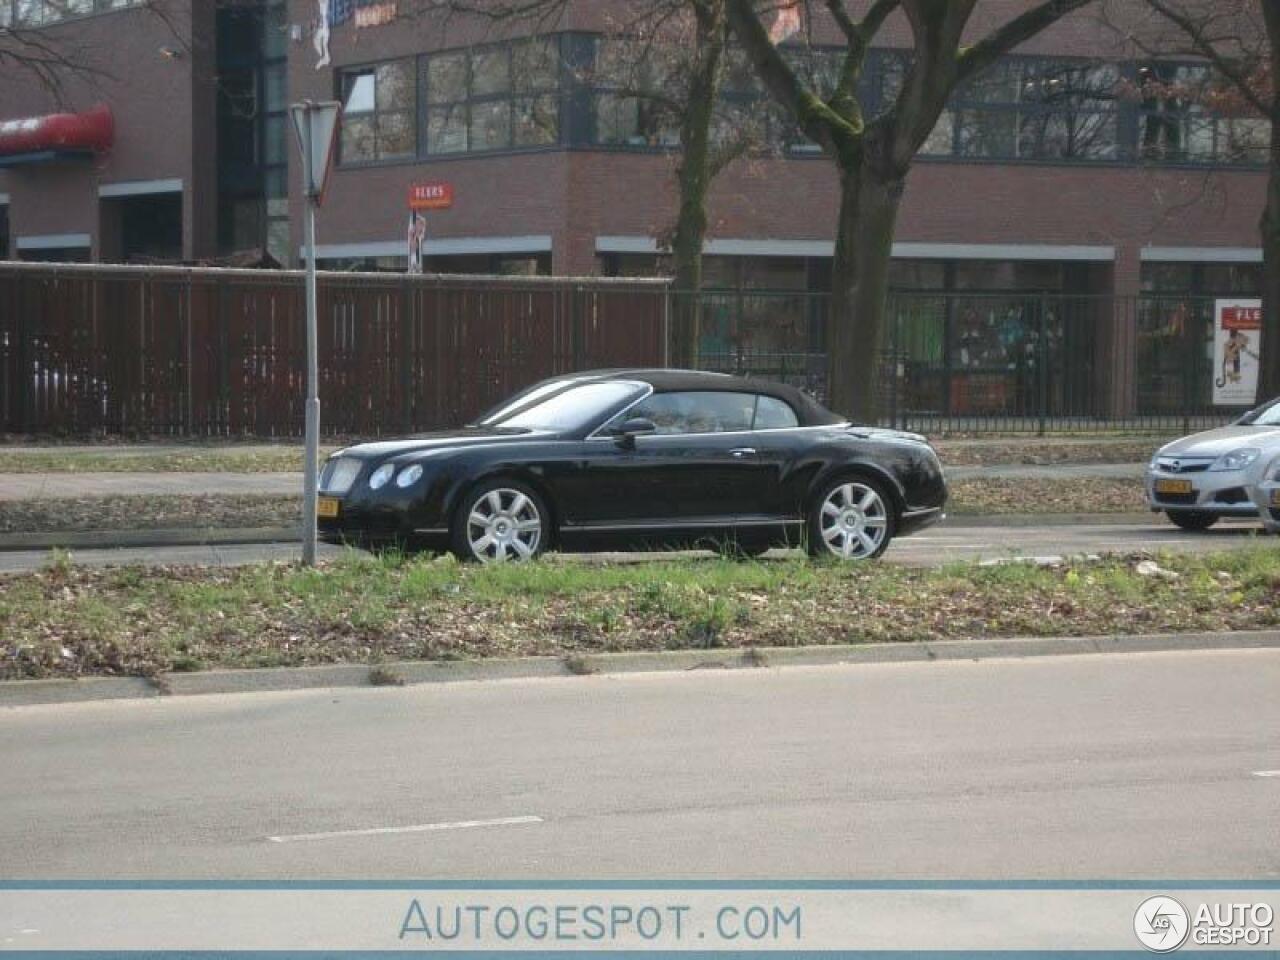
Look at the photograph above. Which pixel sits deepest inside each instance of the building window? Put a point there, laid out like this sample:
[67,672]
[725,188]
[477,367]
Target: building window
[379,103]
[494,98]
[1036,109]
[35,13]
[253,129]
[1174,126]
[630,106]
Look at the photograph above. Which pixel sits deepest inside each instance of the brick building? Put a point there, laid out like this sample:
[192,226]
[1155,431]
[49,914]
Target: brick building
[1044,175]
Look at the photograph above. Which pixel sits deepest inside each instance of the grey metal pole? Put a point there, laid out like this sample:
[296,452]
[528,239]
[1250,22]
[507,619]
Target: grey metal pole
[312,465]
[310,468]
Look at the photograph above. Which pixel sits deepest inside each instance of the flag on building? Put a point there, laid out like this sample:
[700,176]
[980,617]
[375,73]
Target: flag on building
[786,23]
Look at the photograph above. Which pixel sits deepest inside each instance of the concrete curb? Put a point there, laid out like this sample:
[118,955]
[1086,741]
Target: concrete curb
[21,693]
[108,539]
[1048,519]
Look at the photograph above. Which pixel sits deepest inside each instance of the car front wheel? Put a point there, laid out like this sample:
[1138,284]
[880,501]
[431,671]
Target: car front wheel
[499,521]
[852,519]
[1195,520]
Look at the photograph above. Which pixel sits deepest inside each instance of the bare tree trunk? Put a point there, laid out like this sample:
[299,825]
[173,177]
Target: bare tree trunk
[1269,228]
[859,286]
[695,177]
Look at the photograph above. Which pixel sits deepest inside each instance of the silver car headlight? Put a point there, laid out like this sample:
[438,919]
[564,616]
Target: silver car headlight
[339,474]
[409,476]
[1237,459]
[381,476]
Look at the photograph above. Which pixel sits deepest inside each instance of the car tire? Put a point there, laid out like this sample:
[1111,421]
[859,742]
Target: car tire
[852,518]
[498,521]
[1193,520]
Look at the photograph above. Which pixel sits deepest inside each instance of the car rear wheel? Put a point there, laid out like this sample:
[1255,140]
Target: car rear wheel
[1192,519]
[852,519]
[500,521]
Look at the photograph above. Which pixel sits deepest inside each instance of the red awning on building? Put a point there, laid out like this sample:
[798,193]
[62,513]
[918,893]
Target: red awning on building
[56,136]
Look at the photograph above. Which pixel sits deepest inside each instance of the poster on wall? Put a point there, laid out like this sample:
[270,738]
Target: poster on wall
[1237,338]
[417,237]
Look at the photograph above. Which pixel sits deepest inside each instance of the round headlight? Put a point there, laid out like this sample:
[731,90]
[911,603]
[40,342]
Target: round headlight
[1237,459]
[380,476]
[409,476]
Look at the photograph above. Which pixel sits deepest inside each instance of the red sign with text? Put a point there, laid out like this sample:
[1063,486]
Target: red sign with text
[436,195]
[1241,318]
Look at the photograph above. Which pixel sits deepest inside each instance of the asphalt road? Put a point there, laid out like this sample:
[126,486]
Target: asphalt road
[935,546]
[1125,766]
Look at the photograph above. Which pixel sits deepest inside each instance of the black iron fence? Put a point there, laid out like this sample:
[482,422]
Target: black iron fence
[92,349]
[981,362]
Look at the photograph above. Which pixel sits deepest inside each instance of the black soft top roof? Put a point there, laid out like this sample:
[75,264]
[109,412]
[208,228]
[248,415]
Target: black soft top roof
[809,411]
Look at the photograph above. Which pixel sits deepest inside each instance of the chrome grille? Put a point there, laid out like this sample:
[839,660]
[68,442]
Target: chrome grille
[338,475]
[1183,465]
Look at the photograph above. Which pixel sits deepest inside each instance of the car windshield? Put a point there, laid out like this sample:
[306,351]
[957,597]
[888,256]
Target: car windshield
[1265,416]
[572,407]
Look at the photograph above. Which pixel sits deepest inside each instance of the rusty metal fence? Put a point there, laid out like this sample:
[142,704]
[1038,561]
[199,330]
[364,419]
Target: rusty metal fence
[204,352]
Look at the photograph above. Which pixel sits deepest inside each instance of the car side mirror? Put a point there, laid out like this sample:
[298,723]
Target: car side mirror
[630,429]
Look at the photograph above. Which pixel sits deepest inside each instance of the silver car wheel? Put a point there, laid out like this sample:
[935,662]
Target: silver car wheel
[854,521]
[504,524]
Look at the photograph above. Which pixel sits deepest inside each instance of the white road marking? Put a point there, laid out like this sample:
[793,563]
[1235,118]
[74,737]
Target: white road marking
[416,828]
[1266,773]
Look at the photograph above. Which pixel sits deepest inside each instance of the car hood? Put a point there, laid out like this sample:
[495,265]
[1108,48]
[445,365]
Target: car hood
[1214,443]
[438,441]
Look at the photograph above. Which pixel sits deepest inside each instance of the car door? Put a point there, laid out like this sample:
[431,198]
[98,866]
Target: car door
[779,444]
[698,467]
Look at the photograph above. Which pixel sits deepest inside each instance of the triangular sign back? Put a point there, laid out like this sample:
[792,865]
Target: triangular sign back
[316,127]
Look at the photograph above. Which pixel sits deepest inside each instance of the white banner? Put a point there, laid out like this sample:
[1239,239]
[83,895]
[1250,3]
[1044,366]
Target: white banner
[609,918]
[1237,340]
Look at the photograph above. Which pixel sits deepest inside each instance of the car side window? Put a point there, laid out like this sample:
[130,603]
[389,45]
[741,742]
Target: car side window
[774,414]
[700,411]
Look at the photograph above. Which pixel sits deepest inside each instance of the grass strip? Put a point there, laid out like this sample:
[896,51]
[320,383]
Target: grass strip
[68,621]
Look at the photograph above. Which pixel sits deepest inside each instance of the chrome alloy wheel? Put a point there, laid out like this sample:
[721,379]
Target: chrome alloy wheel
[854,521]
[504,524]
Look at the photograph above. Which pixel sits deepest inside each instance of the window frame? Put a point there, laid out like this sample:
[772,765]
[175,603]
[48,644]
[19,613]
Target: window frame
[411,112]
[518,99]
[9,12]
[628,412]
[513,96]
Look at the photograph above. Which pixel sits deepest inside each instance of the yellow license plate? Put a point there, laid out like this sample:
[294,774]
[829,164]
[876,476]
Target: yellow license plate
[1275,497]
[1173,486]
[328,507]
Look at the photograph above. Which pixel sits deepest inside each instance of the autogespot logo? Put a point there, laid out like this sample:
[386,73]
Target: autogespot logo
[1162,924]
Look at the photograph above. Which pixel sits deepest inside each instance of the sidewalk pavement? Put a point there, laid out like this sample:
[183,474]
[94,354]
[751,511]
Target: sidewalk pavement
[33,486]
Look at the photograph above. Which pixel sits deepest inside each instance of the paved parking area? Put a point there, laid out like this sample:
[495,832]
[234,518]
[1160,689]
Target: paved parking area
[945,543]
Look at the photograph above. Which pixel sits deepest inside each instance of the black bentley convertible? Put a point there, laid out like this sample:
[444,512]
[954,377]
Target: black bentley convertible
[635,459]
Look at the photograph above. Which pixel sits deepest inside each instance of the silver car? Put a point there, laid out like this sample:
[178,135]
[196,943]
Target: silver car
[1229,472]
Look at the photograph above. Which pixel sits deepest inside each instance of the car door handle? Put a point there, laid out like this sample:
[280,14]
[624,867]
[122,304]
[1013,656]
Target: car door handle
[743,451]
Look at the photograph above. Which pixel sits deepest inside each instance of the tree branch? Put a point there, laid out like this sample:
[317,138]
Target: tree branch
[815,118]
[1205,47]
[1017,31]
